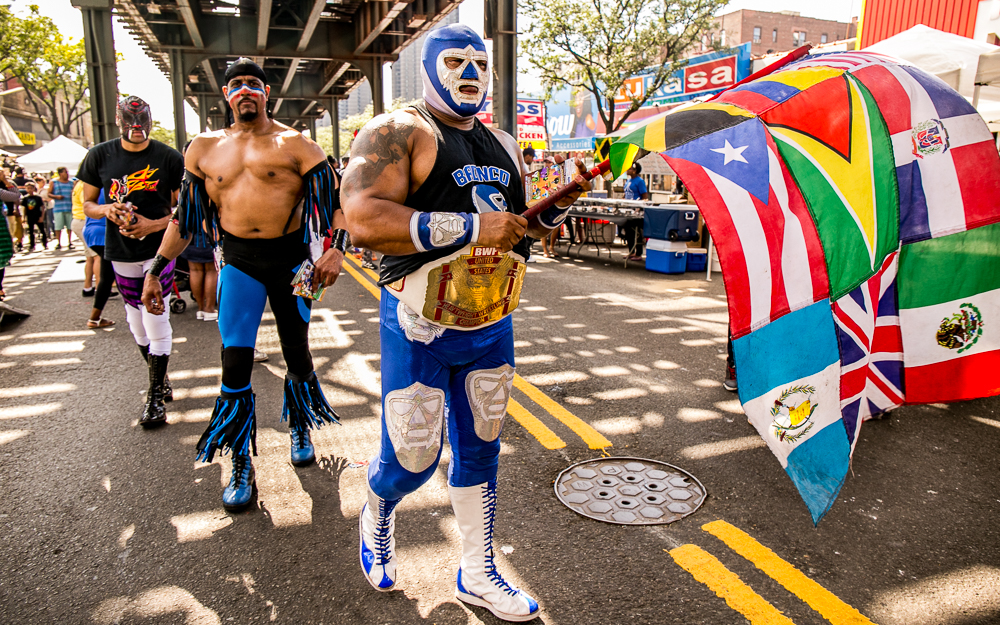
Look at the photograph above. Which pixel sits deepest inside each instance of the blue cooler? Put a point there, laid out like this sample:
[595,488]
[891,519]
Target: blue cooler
[697,259]
[671,223]
[666,256]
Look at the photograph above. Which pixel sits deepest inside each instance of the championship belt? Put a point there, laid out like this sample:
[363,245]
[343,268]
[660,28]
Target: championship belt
[468,290]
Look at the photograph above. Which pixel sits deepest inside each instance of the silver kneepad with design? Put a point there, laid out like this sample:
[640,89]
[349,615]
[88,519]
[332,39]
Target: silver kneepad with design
[488,391]
[414,417]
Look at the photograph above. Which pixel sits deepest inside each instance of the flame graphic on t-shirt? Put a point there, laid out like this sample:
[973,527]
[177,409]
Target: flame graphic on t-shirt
[139,181]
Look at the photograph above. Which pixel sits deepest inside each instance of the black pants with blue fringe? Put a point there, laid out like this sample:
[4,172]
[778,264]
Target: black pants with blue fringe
[258,271]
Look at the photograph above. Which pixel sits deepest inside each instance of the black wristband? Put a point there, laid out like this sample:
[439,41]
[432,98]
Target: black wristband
[160,263]
[339,240]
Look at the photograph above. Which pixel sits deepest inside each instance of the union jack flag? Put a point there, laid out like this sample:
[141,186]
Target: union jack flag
[871,349]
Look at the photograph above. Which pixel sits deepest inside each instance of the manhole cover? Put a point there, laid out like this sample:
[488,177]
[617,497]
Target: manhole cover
[630,491]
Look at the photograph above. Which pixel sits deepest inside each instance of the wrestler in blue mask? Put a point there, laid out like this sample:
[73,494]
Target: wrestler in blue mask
[455,70]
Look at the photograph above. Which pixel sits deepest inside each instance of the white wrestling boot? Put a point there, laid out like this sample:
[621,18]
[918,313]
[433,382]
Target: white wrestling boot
[479,581]
[378,544]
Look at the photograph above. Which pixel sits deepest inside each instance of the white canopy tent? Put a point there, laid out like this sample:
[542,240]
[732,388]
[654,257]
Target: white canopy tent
[955,60]
[60,152]
[7,134]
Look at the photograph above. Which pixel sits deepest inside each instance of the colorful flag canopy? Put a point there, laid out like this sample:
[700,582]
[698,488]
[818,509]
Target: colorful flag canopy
[854,201]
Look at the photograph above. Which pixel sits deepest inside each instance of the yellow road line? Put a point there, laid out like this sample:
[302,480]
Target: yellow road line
[364,281]
[535,427]
[707,569]
[528,421]
[817,597]
[593,438]
[358,263]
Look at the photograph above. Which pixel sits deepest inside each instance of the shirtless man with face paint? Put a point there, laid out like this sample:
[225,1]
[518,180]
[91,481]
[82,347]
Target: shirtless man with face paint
[264,191]
[440,196]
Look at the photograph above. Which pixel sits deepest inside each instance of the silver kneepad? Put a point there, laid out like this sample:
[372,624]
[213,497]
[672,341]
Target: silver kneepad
[414,417]
[488,391]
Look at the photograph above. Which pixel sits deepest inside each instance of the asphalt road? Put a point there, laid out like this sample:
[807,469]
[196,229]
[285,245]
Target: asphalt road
[103,522]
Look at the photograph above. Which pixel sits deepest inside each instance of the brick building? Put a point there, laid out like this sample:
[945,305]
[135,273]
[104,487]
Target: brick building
[774,32]
[17,110]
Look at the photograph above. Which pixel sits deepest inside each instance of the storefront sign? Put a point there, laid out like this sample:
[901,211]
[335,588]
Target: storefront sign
[27,138]
[573,116]
[703,75]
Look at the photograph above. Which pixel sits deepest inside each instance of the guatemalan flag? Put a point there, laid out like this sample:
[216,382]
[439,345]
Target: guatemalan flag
[789,373]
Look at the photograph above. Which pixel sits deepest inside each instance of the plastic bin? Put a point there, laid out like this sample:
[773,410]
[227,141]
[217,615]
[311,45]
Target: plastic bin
[671,223]
[666,256]
[697,259]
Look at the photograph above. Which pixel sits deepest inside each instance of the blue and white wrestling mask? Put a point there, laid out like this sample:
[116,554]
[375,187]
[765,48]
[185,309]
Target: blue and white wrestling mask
[442,85]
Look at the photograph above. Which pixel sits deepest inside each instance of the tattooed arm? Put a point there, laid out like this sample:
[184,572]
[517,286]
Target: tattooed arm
[379,178]
[391,157]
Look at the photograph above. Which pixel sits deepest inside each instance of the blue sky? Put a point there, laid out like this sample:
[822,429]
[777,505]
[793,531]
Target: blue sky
[138,75]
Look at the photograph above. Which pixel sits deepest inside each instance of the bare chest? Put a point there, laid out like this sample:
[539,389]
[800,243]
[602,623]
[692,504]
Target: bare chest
[234,164]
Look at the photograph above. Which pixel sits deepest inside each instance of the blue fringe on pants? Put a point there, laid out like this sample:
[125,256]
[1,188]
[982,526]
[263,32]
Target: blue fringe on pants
[233,427]
[305,406]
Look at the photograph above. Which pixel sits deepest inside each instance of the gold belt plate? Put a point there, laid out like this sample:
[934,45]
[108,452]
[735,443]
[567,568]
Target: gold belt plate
[474,289]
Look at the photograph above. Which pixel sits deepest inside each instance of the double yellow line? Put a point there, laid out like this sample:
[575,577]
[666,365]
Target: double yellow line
[707,569]
[549,439]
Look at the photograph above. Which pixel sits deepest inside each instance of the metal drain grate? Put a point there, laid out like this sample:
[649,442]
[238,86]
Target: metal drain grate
[630,491]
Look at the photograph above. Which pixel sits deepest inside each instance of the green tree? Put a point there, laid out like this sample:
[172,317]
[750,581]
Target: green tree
[22,38]
[161,134]
[596,45]
[52,70]
[352,123]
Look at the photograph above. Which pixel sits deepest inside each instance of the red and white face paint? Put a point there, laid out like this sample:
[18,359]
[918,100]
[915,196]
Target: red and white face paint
[236,94]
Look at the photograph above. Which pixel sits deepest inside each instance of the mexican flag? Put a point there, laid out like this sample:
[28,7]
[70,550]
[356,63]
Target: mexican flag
[949,314]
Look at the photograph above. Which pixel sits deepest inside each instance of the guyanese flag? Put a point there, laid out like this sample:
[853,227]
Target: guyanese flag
[949,314]
[843,162]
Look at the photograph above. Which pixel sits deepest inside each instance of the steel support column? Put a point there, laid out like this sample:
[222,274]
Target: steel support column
[334,108]
[505,67]
[177,82]
[375,80]
[102,74]
[202,114]
[312,129]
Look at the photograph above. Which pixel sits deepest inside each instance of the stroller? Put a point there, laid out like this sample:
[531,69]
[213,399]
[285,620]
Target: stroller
[182,282]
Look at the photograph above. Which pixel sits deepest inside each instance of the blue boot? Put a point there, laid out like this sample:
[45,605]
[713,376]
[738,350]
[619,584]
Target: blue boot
[303,452]
[242,486]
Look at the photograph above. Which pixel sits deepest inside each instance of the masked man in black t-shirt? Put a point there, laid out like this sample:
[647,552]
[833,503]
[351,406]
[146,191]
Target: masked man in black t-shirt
[269,192]
[440,195]
[140,178]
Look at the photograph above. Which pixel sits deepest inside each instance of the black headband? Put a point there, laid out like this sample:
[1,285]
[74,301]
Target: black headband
[245,67]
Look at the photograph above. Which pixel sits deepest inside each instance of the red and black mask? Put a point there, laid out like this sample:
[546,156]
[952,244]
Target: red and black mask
[134,114]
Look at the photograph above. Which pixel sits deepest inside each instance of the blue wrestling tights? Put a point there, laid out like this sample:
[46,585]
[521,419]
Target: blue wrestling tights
[427,373]
[256,271]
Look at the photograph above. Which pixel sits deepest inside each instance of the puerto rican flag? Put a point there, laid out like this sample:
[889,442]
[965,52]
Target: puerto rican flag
[871,349]
[768,244]
[946,160]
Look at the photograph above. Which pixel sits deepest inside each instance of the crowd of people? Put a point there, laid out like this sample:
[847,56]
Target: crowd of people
[262,216]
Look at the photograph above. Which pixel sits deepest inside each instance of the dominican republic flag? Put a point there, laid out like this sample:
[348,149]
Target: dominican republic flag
[768,245]
[949,313]
[946,161]
[789,374]
[871,349]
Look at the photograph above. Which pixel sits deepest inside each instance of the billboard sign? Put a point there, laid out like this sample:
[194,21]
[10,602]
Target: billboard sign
[575,116]
[706,74]
[530,121]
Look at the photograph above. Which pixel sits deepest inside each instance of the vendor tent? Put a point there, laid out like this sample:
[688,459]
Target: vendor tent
[60,152]
[952,58]
[7,134]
